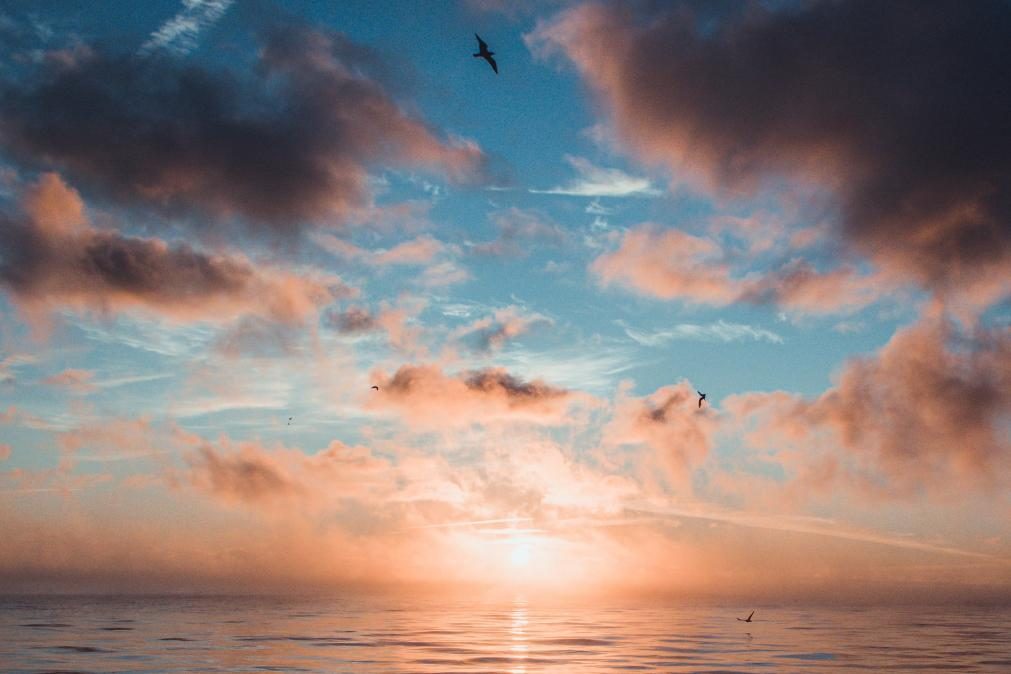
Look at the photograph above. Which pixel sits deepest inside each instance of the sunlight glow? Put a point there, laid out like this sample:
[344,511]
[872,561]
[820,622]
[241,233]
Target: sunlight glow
[520,555]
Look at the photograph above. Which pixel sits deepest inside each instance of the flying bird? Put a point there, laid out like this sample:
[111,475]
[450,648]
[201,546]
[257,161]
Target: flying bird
[289,420]
[748,619]
[702,396]
[482,52]
[375,388]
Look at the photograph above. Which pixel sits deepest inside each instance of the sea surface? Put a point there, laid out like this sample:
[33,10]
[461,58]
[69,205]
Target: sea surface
[269,634]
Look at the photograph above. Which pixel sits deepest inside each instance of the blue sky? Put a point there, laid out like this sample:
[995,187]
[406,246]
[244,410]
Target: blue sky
[523,258]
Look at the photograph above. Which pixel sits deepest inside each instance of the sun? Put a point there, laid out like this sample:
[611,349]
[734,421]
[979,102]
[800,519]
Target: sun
[520,555]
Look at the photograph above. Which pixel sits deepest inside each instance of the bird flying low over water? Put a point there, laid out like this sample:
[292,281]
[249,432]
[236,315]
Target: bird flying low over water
[702,396]
[375,388]
[748,619]
[482,52]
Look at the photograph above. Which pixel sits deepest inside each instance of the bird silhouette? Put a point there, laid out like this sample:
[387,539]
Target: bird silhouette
[748,619]
[375,388]
[483,53]
[702,396]
[289,420]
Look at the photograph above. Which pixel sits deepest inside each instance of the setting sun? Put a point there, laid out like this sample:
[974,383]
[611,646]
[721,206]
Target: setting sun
[520,554]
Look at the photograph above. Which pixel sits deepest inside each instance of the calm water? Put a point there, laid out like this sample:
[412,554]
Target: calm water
[214,634]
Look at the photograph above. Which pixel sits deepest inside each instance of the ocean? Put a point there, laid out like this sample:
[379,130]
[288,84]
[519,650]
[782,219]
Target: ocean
[283,634]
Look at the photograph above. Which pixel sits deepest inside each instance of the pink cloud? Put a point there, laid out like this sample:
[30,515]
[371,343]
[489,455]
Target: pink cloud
[78,381]
[426,397]
[54,259]
[671,264]
[925,413]
[670,423]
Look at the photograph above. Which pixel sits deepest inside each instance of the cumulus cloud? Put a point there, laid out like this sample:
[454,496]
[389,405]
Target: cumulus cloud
[291,142]
[897,109]
[52,259]
[670,423]
[671,264]
[426,397]
[928,412]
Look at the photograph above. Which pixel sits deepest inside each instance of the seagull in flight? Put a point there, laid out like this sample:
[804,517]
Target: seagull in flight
[482,52]
[748,619]
[375,388]
[702,396]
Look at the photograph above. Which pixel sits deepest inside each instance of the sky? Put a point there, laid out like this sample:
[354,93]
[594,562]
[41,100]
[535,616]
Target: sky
[300,296]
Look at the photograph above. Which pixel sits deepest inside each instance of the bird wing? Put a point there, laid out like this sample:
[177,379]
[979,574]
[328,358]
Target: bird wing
[700,403]
[699,392]
[481,45]
[494,66]
[751,614]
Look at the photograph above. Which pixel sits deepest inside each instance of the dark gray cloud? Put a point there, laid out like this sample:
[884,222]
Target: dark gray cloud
[293,141]
[900,109]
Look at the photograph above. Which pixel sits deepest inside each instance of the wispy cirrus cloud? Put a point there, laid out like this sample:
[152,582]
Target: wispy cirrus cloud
[597,181]
[720,331]
[180,33]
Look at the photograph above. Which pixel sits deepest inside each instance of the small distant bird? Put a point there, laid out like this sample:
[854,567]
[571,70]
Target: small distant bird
[289,420]
[375,388]
[748,619]
[482,52]
[702,396]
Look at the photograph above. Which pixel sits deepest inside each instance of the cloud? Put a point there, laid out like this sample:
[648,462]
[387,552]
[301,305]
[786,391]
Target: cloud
[8,363]
[179,34]
[493,332]
[291,142]
[426,397]
[595,181]
[420,251]
[53,259]
[928,412]
[720,331]
[671,264]
[518,231]
[902,120]
[670,423]
[78,381]
[357,320]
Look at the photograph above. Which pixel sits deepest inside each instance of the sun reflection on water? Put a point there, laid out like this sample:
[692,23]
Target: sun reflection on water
[518,635]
